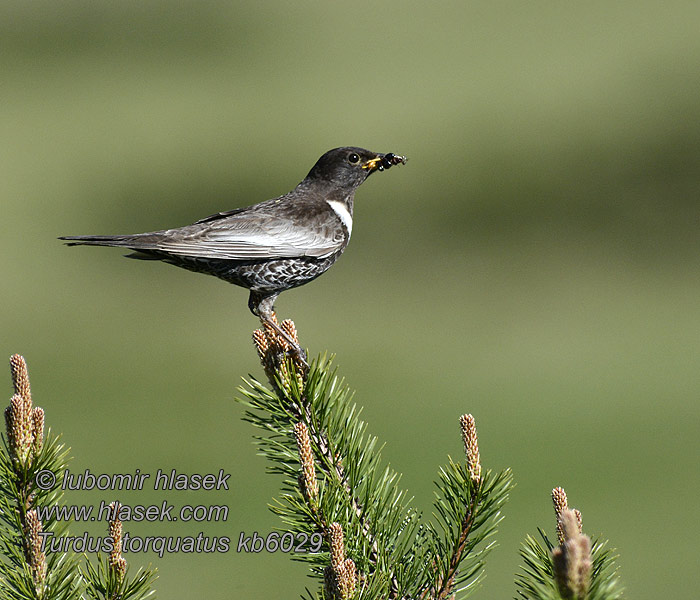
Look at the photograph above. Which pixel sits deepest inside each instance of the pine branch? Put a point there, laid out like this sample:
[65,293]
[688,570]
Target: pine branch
[320,417]
[575,569]
[109,580]
[32,466]
[334,484]
[462,543]
[28,570]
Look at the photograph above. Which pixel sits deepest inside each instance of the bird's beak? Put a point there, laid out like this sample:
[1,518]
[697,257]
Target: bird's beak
[384,161]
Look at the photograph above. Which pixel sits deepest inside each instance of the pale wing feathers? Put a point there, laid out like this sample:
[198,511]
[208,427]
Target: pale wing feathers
[244,239]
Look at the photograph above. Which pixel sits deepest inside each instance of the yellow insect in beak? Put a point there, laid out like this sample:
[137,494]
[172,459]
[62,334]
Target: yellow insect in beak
[373,163]
[384,161]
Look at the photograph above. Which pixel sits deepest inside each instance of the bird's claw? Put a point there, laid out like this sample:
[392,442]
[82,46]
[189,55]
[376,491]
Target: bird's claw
[298,352]
[285,338]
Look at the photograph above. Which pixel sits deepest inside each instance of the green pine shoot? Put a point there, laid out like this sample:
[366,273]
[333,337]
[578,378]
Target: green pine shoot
[336,485]
[575,569]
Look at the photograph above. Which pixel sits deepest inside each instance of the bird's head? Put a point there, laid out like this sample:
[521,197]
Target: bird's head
[348,167]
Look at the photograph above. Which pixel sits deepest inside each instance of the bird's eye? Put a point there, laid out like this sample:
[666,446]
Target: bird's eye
[353,158]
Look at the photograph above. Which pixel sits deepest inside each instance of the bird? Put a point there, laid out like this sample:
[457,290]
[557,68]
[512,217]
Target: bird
[272,246]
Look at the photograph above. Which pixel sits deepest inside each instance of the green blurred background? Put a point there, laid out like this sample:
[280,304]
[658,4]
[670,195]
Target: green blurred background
[535,263]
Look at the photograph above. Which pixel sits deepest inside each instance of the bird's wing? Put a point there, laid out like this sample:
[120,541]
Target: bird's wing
[247,237]
[219,215]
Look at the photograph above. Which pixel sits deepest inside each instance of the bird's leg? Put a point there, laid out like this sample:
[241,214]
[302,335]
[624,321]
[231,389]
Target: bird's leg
[262,306]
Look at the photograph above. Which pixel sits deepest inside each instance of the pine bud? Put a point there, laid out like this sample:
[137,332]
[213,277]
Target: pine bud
[336,542]
[579,519]
[261,345]
[572,559]
[117,563]
[342,579]
[37,429]
[290,329]
[19,429]
[22,421]
[560,505]
[306,458]
[20,378]
[33,547]
[350,578]
[272,337]
[471,446]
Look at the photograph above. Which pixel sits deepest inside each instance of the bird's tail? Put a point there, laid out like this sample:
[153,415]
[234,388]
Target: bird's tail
[135,242]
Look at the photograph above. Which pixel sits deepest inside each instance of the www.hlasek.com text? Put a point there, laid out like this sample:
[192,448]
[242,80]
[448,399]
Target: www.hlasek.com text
[135,513]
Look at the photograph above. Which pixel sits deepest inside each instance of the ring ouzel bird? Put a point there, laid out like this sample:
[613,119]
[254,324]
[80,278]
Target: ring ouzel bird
[269,247]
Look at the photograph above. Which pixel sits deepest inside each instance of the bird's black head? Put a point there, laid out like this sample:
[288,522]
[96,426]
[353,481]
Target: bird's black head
[349,166]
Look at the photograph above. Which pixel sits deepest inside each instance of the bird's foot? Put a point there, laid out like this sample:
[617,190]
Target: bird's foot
[286,338]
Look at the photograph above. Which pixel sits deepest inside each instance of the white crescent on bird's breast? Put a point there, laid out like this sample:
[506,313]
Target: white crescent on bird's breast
[343,213]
